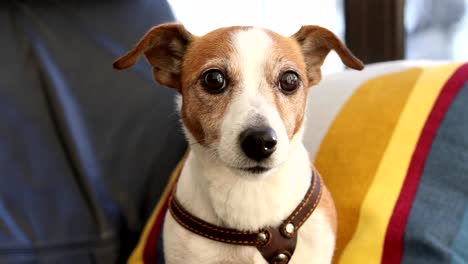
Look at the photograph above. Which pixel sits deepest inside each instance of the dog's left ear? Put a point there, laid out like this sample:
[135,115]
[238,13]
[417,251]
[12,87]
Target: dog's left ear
[316,42]
[164,47]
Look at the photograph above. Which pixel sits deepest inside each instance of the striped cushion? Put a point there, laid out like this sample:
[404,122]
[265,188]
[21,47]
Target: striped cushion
[392,145]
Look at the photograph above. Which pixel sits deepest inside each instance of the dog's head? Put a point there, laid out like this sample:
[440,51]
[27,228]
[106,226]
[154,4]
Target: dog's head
[244,89]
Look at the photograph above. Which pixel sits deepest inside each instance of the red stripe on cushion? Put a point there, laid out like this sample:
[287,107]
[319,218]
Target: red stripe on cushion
[393,245]
[150,251]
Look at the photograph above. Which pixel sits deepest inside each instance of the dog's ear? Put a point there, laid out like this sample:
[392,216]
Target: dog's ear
[316,42]
[164,47]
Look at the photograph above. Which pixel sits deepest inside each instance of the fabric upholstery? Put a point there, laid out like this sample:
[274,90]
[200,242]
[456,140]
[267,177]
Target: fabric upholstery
[397,170]
[85,151]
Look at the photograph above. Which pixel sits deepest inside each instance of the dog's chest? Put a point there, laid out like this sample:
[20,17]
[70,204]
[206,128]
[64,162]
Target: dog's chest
[315,242]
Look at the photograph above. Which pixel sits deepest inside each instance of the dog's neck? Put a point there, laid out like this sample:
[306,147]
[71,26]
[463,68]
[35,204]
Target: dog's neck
[217,195]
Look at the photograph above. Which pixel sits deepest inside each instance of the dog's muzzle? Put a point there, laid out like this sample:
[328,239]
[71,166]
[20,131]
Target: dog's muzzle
[258,143]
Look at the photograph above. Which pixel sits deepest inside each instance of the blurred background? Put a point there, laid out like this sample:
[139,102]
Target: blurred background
[375,30]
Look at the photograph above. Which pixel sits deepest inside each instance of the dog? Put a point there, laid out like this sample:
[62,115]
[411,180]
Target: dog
[242,95]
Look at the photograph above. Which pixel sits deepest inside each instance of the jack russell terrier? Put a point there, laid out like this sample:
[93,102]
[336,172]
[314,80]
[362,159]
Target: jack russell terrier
[248,192]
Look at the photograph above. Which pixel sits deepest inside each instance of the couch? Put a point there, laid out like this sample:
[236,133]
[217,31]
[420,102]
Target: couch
[84,150]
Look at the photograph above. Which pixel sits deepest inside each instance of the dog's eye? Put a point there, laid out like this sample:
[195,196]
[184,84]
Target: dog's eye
[289,82]
[214,81]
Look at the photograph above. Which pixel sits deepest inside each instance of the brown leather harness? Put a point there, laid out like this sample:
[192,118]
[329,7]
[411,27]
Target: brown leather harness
[276,244]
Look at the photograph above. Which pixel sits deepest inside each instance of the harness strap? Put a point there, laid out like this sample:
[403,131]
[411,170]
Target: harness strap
[276,244]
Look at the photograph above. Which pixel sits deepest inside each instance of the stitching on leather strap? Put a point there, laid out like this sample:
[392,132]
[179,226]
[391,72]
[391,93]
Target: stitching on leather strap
[306,200]
[242,242]
[232,236]
[312,209]
[196,220]
[247,241]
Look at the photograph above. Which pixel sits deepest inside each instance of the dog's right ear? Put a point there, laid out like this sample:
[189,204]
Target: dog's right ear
[316,42]
[164,47]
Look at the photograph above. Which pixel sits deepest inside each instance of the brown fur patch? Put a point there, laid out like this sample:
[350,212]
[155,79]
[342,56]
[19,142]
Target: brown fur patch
[164,47]
[316,42]
[328,206]
[203,112]
[287,55]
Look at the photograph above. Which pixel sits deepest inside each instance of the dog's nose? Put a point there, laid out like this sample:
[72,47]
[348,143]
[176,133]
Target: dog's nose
[258,143]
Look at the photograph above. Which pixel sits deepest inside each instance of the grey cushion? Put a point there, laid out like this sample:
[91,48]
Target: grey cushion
[85,151]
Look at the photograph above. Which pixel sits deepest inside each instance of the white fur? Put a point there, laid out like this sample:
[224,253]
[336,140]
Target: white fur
[254,101]
[212,190]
